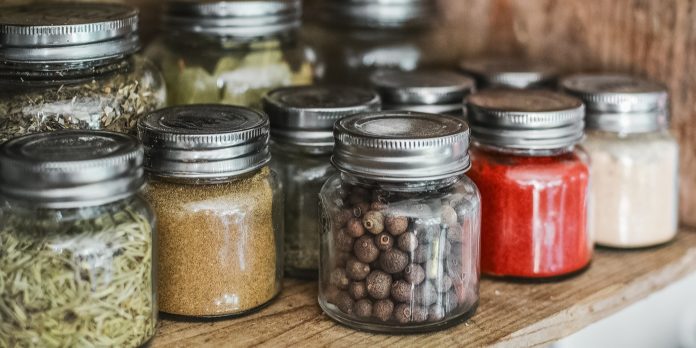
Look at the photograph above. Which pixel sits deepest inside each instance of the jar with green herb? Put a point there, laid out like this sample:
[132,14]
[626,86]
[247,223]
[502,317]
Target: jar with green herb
[219,209]
[73,66]
[302,120]
[76,242]
[231,51]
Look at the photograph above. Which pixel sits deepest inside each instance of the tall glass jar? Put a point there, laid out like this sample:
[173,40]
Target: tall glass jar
[355,38]
[431,91]
[507,72]
[534,181]
[72,66]
[219,209]
[400,246]
[635,161]
[302,120]
[76,240]
[231,51]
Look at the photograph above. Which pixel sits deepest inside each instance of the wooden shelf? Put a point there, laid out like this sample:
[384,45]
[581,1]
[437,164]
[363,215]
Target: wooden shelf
[510,314]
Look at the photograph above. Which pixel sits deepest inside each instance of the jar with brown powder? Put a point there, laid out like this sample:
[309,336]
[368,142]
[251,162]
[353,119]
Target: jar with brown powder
[218,207]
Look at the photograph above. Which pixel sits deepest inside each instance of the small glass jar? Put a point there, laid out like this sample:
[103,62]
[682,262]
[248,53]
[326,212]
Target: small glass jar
[81,75]
[400,246]
[355,38]
[76,240]
[302,120]
[219,209]
[510,73]
[431,91]
[534,181]
[635,161]
[231,51]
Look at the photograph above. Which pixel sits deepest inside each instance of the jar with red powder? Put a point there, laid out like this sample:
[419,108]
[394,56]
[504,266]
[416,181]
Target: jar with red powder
[534,183]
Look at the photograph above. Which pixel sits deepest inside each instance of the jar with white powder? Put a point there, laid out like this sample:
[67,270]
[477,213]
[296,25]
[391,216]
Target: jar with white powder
[635,160]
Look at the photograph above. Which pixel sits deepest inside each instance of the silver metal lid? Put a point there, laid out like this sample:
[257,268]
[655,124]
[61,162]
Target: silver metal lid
[239,18]
[67,32]
[204,141]
[70,169]
[525,119]
[306,115]
[620,103]
[508,73]
[379,13]
[401,146]
[427,87]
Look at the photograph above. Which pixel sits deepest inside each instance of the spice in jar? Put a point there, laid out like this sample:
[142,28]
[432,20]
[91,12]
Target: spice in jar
[533,181]
[218,208]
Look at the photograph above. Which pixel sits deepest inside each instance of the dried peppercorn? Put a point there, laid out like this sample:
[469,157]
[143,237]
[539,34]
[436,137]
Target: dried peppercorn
[345,303]
[395,224]
[402,291]
[360,209]
[393,261]
[383,309]
[384,241]
[374,222]
[343,240]
[414,273]
[363,308]
[339,278]
[365,249]
[408,242]
[448,215]
[379,206]
[379,284]
[357,270]
[355,228]
[422,253]
[357,290]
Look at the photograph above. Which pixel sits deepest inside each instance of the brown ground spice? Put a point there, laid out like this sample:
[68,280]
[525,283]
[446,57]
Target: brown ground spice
[217,248]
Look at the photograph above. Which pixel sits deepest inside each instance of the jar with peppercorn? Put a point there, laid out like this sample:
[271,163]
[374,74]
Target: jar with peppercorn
[400,244]
[302,120]
[534,181]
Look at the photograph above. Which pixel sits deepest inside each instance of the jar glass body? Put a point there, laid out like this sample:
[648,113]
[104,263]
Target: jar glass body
[202,68]
[535,211]
[219,243]
[635,185]
[109,95]
[80,276]
[302,173]
[399,258]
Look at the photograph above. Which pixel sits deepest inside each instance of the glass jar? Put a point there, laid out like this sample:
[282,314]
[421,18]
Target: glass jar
[431,91]
[76,266]
[400,246]
[356,38]
[534,181]
[231,52]
[302,120]
[499,72]
[219,209]
[82,75]
[635,161]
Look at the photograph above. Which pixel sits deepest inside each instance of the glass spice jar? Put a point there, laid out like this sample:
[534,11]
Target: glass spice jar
[302,120]
[231,51]
[219,209]
[400,246]
[431,91]
[635,161]
[509,73]
[73,66]
[76,240]
[534,181]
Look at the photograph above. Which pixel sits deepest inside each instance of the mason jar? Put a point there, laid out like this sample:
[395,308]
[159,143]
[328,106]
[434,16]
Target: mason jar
[431,91]
[635,160]
[400,245]
[219,209]
[302,120]
[507,72]
[534,181]
[73,66]
[231,51]
[76,239]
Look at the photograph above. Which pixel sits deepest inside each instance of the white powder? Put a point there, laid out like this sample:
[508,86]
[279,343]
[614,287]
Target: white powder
[634,188]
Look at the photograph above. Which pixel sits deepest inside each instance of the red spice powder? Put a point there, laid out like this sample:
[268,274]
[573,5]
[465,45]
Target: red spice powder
[534,213]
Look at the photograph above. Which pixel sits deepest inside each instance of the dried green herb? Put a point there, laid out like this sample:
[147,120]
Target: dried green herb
[82,283]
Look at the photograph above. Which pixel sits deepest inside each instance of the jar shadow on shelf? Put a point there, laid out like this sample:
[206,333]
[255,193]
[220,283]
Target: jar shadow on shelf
[637,249]
[522,280]
[217,318]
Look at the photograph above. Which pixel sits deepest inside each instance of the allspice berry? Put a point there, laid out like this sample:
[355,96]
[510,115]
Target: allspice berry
[443,284]
[448,215]
[408,242]
[374,221]
[343,241]
[402,313]
[425,294]
[339,278]
[384,241]
[331,294]
[383,309]
[414,273]
[422,253]
[355,228]
[436,312]
[360,209]
[378,284]
[393,261]
[379,206]
[451,302]
[342,217]
[419,314]
[345,303]
[357,270]
[365,249]
[455,233]
[341,257]
[402,291]
[357,290]
[395,224]
[363,308]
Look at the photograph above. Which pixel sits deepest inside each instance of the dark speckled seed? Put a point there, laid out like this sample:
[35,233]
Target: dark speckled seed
[421,254]
[378,285]
[455,233]
[357,270]
[402,291]
[331,294]
[436,312]
[451,302]
[343,241]
[339,279]
[419,314]
[414,273]
[396,225]
[360,209]
[363,308]
[379,206]
[384,241]
[342,217]
[402,313]
[341,257]
[425,294]
[443,284]
[448,215]
[393,261]
[408,242]
[345,303]
[355,228]
[357,290]
[365,249]
[383,309]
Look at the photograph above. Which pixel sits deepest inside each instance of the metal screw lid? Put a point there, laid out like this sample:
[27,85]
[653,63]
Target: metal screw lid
[434,87]
[401,146]
[239,18]
[70,169]
[306,115]
[379,13]
[525,119]
[204,141]
[67,32]
[620,103]
[508,73]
